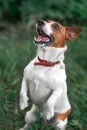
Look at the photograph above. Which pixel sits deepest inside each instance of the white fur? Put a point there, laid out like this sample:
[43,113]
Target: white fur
[46,85]
[61,124]
[46,28]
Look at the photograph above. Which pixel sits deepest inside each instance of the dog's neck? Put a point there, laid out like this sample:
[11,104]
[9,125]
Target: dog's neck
[51,53]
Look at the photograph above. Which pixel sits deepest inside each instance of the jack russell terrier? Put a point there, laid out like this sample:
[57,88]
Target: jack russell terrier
[45,76]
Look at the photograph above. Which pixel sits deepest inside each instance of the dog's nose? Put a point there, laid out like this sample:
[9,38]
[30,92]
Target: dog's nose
[40,22]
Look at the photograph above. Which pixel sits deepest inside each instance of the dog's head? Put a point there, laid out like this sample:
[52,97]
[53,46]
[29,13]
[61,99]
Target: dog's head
[54,34]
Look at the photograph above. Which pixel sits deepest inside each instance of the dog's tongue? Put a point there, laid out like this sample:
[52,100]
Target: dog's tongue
[43,38]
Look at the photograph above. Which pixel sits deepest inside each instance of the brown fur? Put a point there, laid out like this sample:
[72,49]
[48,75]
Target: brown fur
[64,34]
[62,116]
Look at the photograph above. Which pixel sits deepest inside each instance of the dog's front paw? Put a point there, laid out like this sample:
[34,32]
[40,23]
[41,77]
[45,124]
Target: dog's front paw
[23,103]
[48,112]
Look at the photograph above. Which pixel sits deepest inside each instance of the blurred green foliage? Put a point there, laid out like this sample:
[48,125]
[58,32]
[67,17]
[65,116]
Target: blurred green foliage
[62,9]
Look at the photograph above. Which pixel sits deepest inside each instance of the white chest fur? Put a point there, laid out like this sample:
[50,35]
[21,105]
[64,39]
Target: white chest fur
[46,84]
[43,80]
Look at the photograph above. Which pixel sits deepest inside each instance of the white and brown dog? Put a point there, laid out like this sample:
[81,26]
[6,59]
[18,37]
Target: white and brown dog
[45,76]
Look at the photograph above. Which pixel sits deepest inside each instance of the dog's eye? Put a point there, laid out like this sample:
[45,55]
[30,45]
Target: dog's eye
[56,27]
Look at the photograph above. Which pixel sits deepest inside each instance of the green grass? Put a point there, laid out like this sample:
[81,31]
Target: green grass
[15,53]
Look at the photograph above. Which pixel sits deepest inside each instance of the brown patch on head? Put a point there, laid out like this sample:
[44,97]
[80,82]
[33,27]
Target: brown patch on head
[62,34]
[58,34]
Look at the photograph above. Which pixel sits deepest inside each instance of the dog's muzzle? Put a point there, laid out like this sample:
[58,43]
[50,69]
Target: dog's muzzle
[43,39]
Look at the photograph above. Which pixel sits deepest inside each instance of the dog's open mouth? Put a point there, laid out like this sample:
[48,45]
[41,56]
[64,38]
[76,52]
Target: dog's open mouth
[43,38]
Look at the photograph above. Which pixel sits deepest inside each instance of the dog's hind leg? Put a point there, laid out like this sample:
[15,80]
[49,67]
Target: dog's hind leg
[61,125]
[30,117]
[62,120]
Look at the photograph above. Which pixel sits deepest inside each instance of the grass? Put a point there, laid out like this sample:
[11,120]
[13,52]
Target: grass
[15,53]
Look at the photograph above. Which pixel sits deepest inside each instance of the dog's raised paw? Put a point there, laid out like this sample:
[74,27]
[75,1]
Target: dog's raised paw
[47,114]
[23,102]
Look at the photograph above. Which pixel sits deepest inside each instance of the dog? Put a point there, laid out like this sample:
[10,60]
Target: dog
[45,77]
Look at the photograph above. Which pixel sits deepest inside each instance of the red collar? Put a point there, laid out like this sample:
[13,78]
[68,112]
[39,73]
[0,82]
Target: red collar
[45,62]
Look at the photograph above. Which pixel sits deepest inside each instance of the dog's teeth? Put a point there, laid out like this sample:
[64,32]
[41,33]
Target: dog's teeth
[47,40]
[35,38]
[38,40]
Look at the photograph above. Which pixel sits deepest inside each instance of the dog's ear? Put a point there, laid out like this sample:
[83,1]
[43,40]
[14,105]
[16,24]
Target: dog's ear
[72,32]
